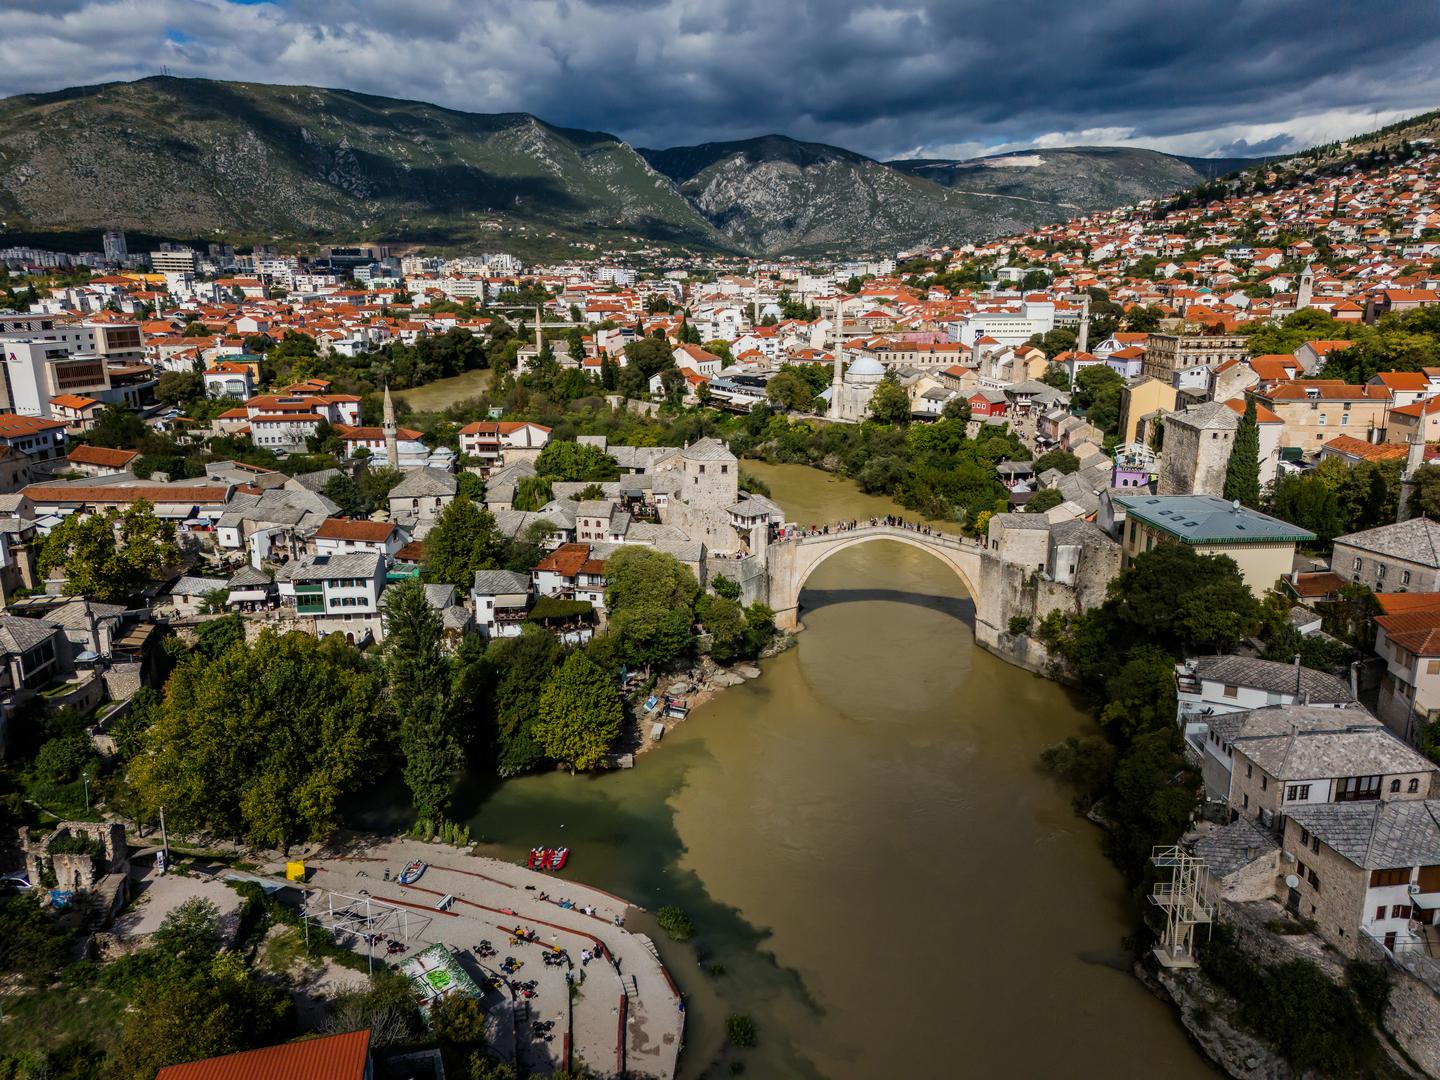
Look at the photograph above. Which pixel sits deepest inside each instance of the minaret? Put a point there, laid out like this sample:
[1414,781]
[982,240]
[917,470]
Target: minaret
[392,447]
[539,335]
[1307,287]
[1083,344]
[1414,459]
[837,383]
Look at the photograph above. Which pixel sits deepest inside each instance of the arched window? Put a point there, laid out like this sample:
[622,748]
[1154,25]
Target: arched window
[1414,786]
[1394,786]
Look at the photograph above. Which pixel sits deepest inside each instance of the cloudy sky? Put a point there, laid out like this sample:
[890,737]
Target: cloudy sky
[890,78]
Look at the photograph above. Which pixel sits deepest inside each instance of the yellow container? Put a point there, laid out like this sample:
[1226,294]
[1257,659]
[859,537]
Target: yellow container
[295,871]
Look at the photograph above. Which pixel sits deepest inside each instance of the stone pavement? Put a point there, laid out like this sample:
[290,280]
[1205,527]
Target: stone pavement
[624,1016]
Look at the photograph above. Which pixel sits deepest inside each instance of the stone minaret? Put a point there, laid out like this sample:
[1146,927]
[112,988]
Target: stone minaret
[539,335]
[837,383]
[1413,460]
[1307,288]
[392,447]
[1083,343]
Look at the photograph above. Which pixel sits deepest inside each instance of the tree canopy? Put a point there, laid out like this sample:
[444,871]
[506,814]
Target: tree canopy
[263,741]
[580,712]
[651,600]
[109,555]
[464,539]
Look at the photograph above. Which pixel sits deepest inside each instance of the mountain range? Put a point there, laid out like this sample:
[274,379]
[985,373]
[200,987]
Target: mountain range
[199,159]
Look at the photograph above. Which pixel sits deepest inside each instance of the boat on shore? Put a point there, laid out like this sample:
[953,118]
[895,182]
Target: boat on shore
[412,872]
[543,858]
[559,857]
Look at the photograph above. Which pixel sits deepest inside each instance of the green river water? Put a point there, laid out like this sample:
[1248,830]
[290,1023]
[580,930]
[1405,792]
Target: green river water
[868,848]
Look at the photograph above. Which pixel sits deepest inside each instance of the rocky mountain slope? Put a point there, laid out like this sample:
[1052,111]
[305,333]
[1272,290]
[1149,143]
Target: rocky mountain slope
[1074,179]
[194,159]
[190,158]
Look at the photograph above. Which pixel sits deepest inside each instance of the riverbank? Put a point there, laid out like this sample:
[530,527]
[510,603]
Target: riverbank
[614,1006]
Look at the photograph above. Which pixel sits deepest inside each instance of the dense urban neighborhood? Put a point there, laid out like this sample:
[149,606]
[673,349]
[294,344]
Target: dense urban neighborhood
[290,529]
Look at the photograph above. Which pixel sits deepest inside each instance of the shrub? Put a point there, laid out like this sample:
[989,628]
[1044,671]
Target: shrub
[675,922]
[1019,624]
[740,1029]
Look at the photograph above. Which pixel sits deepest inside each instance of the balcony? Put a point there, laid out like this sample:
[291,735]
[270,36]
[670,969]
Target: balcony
[313,588]
[311,607]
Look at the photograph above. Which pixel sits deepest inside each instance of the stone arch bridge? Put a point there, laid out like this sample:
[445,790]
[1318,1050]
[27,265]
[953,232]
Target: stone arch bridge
[791,561]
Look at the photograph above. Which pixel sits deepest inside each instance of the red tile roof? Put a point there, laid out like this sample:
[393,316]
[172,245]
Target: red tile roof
[1408,602]
[102,455]
[1417,631]
[371,532]
[330,1057]
[17,427]
[570,559]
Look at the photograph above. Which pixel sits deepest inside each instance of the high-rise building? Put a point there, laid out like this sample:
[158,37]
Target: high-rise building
[114,242]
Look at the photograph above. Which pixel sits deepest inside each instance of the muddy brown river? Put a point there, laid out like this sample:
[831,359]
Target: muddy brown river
[879,873]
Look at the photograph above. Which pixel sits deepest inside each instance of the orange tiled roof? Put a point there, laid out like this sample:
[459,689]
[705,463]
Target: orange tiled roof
[330,1057]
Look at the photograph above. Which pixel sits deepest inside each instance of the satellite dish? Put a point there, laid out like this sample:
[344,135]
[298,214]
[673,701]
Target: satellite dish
[1291,881]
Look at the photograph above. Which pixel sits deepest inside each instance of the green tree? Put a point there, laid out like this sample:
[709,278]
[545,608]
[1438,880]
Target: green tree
[890,404]
[576,347]
[1097,391]
[790,390]
[1242,473]
[651,600]
[1063,460]
[117,427]
[525,664]
[178,387]
[419,677]
[1057,377]
[1308,501]
[263,741]
[1043,500]
[580,713]
[957,409]
[569,460]
[724,620]
[464,539]
[109,555]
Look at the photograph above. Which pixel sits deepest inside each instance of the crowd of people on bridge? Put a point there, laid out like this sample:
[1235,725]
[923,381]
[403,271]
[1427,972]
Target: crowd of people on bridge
[797,532]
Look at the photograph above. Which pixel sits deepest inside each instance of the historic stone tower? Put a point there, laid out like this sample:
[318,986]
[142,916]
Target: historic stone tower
[837,385]
[392,447]
[1306,291]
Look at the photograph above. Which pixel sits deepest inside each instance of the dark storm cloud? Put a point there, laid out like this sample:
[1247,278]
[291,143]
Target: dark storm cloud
[887,77]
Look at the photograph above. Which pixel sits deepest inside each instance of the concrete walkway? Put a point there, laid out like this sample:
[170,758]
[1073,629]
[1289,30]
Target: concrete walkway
[624,1013]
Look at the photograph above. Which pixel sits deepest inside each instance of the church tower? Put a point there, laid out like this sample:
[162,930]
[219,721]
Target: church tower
[1307,288]
[392,447]
[837,385]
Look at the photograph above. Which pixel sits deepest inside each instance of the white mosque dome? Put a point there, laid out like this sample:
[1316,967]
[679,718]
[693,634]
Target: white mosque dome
[864,371]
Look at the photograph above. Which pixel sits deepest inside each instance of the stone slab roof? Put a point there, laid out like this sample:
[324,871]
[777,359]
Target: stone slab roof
[497,582]
[1273,676]
[1416,541]
[1234,847]
[1377,835]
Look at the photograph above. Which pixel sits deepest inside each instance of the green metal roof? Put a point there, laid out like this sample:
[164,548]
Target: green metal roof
[1207,519]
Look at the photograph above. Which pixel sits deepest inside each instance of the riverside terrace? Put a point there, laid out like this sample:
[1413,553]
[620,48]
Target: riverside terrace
[627,1016]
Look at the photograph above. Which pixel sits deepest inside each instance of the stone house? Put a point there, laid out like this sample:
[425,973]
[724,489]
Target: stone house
[502,600]
[86,858]
[420,498]
[1284,757]
[1391,558]
[1315,411]
[1409,643]
[1365,869]
[1166,354]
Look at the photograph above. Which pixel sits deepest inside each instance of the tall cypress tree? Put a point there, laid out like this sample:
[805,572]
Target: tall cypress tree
[1242,474]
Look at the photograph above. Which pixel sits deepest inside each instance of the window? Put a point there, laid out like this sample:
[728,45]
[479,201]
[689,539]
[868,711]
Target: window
[1380,572]
[1297,792]
[1300,868]
[1357,563]
[1404,577]
[1381,878]
[1315,844]
[1249,770]
[1400,911]
[1394,787]
[1357,788]
[1232,691]
[1414,786]
[1380,911]
[1246,801]
[1314,880]
[1304,836]
[1264,782]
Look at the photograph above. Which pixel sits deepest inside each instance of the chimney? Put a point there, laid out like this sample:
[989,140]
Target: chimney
[1297,676]
[1355,679]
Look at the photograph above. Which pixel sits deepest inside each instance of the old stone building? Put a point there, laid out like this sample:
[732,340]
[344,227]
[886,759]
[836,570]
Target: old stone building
[82,858]
[1165,354]
[709,486]
[1196,452]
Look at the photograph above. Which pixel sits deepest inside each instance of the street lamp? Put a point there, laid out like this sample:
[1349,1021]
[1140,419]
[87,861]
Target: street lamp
[85,776]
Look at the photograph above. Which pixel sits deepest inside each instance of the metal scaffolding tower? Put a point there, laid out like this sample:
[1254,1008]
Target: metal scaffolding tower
[1185,902]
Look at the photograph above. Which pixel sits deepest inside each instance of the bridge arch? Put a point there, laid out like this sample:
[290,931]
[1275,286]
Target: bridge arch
[791,562]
